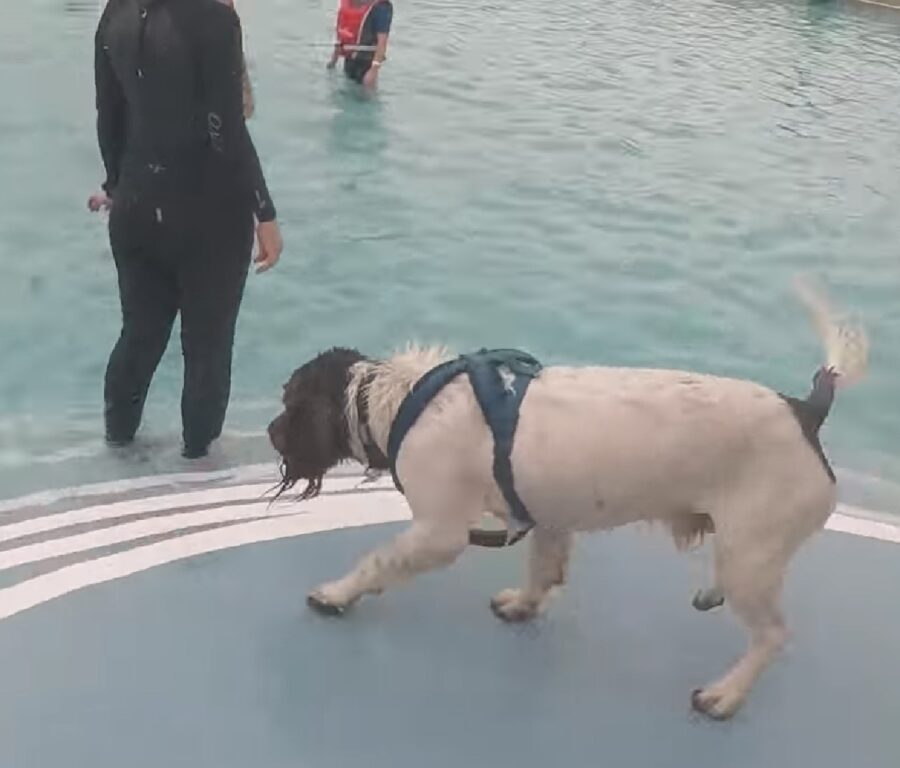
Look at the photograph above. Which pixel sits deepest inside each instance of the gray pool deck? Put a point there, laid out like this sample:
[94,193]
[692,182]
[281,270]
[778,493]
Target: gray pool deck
[162,623]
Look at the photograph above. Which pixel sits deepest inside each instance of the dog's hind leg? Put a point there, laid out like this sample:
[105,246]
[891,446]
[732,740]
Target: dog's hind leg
[424,546]
[753,588]
[548,564]
[708,598]
[752,552]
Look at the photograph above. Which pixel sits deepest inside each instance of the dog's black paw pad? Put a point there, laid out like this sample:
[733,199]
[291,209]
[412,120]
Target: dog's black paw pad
[511,615]
[323,607]
[707,600]
[697,699]
[706,706]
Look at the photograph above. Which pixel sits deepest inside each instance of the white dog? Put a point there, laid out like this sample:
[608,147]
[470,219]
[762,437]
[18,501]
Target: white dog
[595,448]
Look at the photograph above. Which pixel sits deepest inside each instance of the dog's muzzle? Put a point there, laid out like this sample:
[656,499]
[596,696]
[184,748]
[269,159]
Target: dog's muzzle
[278,434]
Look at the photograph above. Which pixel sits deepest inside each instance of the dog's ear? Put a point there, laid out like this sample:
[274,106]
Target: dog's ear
[327,433]
[311,434]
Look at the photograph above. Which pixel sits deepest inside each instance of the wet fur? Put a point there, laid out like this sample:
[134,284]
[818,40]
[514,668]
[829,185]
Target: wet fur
[312,434]
[698,454]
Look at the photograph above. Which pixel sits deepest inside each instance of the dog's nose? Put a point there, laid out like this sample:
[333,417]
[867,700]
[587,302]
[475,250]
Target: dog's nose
[276,434]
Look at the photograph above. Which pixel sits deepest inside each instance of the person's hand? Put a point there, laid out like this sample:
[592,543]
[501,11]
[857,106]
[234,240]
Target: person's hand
[335,55]
[370,79]
[99,201]
[270,245]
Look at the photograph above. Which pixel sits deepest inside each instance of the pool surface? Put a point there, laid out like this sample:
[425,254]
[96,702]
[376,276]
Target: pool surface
[161,623]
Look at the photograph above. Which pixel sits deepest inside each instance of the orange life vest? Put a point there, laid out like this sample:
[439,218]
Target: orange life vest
[351,21]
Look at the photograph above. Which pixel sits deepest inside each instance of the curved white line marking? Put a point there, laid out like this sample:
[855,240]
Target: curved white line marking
[129,508]
[248,473]
[132,507]
[171,523]
[140,529]
[51,496]
[331,513]
[860,526]
[326,513]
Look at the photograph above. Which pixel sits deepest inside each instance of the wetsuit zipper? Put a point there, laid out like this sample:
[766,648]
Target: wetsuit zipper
[142,29]
[155,167]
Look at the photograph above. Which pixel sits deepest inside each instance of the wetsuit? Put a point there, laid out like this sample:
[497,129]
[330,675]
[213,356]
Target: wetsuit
[378,22]
[186,185]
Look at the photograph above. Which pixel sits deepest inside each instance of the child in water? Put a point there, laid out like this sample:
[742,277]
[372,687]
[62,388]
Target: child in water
[362,31]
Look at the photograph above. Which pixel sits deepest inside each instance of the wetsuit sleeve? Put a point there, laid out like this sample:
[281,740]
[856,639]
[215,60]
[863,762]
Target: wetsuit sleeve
[110,101]
[221,62]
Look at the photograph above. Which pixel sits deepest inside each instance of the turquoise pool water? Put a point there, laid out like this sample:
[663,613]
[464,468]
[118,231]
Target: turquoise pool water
[629,182]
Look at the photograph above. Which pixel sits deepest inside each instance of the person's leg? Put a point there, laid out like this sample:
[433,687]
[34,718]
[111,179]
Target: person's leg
[149,300]
[355,68]
[212,280]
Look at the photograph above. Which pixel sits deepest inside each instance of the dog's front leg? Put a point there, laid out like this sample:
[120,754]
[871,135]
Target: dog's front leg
[424,546]
[548,564]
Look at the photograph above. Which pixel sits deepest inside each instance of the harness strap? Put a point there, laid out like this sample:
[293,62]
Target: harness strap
[422,393]
[499,379]
[500,398]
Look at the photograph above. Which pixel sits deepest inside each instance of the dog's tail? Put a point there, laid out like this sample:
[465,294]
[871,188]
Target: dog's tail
[846,351]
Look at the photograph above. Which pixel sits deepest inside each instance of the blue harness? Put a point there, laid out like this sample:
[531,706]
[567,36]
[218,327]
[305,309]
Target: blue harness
[499,380]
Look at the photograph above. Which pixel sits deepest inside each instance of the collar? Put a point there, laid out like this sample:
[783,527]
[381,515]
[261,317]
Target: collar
[375,457]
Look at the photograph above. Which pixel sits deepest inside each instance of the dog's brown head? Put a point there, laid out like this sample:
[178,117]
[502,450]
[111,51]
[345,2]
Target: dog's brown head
[311,434]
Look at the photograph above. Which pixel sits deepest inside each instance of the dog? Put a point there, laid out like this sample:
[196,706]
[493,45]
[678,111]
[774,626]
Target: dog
[595,448]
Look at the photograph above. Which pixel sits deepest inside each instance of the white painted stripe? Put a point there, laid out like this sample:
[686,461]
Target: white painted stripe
[248,473]
[869,514]
[54,495]
[131,507]
[140,529]
[211,496]
[895,6]
[171,523]
[331,513]
[860,526]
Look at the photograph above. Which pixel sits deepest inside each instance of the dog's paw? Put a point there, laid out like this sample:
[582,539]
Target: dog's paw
[714,703]
[322,603]
[708,599]
[513,606]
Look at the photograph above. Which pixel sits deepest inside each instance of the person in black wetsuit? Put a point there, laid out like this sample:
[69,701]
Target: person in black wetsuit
[184,186]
